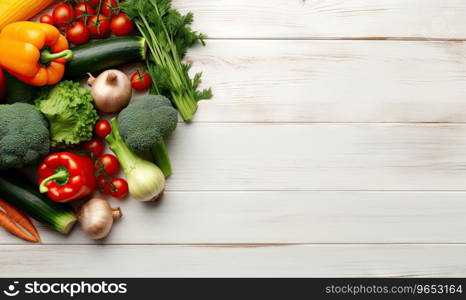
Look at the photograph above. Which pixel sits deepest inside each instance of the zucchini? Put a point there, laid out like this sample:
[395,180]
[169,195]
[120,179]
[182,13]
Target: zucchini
[105,54]
[29,200]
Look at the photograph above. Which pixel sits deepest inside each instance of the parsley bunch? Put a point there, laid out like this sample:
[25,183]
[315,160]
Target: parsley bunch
[169,37]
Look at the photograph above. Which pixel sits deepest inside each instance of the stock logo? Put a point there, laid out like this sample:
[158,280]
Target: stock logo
[69,289]
[11,291]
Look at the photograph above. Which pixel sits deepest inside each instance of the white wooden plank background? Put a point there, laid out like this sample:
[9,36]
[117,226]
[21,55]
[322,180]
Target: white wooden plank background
[333,81]
[330,19]
[327,151]
[233,261]
[285,217]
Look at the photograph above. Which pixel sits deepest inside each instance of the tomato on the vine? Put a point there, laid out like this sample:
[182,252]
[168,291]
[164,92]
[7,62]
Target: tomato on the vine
[102,129]
[99,26]
[77,33]
[63,15]
[141,81]
[94,2]
[107,165]
[103,184]
[47,19]
[94,146]
[122,25]
[83,9]
[119,188]
[110,8]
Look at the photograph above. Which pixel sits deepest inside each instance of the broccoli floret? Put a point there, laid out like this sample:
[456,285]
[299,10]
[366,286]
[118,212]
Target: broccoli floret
[24,136]
[145,123]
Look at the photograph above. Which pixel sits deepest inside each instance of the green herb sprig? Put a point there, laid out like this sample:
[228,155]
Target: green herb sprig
[169,36]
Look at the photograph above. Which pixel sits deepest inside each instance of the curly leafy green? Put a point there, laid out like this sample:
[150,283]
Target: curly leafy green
[70,112]
[169,37]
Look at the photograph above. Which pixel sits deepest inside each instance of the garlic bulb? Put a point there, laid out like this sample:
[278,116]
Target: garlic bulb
[97,216]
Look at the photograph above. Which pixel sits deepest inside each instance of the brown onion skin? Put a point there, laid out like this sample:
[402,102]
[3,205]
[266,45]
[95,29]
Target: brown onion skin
[111,91]
[97,217]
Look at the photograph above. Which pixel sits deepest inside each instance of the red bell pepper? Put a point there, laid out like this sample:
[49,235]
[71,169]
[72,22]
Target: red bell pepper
[2,85]
[67,177]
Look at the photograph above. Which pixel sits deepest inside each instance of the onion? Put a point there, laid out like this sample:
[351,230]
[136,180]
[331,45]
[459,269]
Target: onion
[111,91]
[97,216]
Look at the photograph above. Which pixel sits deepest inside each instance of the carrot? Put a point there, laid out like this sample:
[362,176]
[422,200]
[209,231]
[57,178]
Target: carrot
[20,218]
[10,218]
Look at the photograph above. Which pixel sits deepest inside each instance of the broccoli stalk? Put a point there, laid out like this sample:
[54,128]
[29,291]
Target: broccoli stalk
[145,123]
[161,158]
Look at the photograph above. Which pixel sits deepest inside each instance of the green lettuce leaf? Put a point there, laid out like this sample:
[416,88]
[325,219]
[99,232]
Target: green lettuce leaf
[70,111]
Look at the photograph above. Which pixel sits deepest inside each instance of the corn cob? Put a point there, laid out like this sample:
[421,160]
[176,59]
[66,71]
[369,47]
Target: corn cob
[20,10]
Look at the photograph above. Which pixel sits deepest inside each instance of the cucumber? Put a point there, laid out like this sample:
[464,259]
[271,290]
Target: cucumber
[105,54]
[29,200]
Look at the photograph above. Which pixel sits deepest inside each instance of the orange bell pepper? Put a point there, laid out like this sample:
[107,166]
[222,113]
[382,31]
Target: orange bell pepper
[34,53]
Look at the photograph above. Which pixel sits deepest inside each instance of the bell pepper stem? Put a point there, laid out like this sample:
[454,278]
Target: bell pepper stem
[61,175]
[46,56]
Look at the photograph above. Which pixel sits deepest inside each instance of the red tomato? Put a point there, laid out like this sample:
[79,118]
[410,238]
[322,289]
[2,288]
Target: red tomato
[108,164]
[77,33]
[47,19]
[102,129]
[121,25]
[103,184]
[94,2]
[110,8]
[99,26]
[119,188]
[63,15]
[94,146]
[83,8]
[141,81]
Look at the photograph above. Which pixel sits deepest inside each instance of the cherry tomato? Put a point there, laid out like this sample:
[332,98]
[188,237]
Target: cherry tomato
[63,15]
[119,188]
[110,8]
[121,25]
[102,129]
[108,164]
[83,8]
[77,33]
[95,146]
[141,81]
[103,184]
[94,2]
[99,26]
[47,19]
